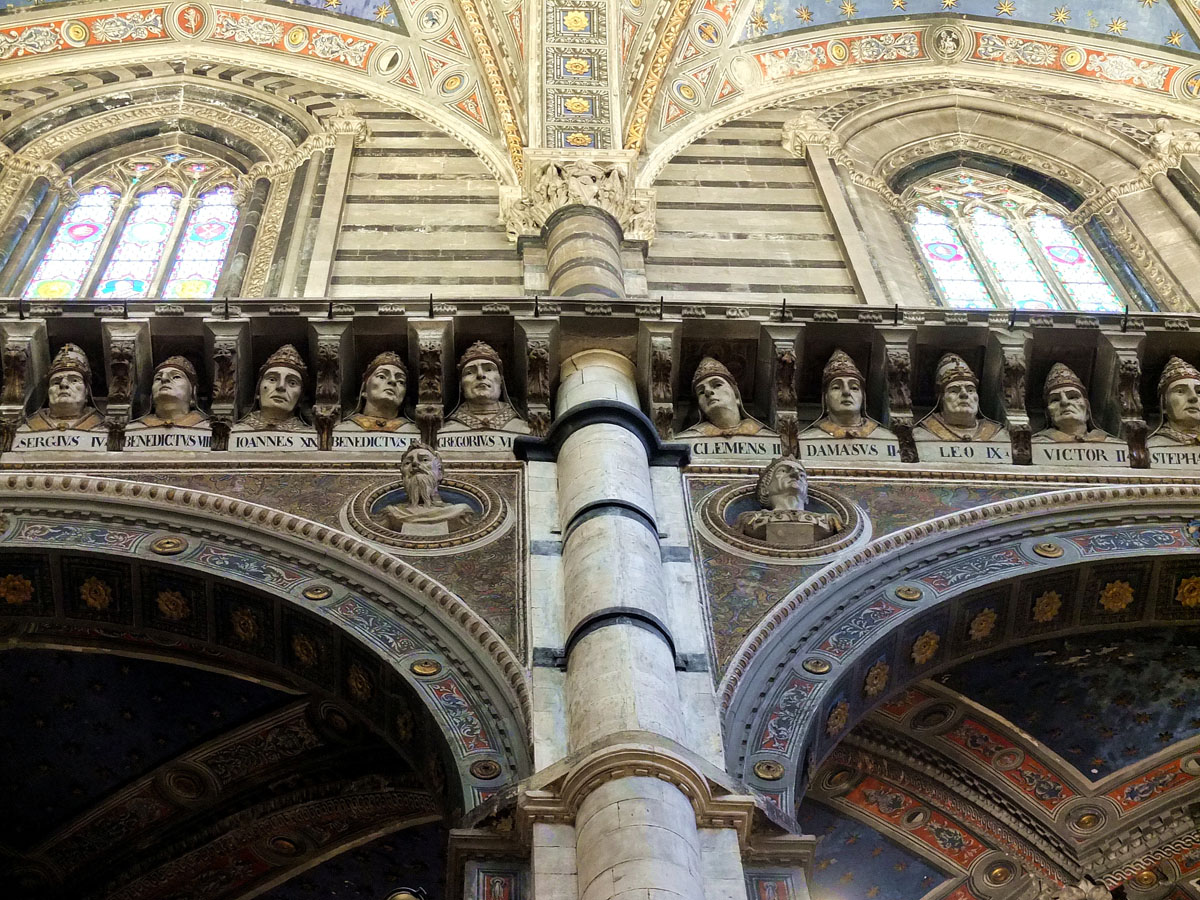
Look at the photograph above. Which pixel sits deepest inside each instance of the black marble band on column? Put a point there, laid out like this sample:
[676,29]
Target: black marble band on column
[235,270]
[583,253]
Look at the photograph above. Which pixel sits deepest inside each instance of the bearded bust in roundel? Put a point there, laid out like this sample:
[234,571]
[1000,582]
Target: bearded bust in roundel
[423,510]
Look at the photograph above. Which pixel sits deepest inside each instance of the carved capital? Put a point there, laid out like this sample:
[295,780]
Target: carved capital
[804,129]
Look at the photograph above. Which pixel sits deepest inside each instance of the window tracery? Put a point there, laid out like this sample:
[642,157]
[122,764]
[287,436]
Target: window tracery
[156,224]
[989,242]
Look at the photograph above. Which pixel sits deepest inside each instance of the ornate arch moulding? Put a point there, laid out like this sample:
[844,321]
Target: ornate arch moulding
[778,711]
[203,529]
[380,64]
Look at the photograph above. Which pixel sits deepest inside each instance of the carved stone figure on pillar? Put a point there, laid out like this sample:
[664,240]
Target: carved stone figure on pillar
[783,521]
[843,397]
[174,392]
[424,511]
[1179,399]
[1069,412]
[956,416]
[277,394]
[720,401]
[484,404]
[381,397]
[69,396]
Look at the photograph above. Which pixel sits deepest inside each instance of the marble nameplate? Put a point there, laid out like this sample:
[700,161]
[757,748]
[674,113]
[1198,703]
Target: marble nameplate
[1064,454]
[1180,456]
[373,440]
[272,440]
[143,439]
[478,441]
[755,445]
[834,449]
[85,441]
[988,453]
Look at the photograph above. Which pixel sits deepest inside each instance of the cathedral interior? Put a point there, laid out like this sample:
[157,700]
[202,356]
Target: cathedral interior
[600,450]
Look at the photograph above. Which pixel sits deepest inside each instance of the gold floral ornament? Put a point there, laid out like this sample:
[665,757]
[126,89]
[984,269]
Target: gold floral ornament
[925,647]
[838,717]
[576,20]
[305,650]
[1189,592]
[983,624]
[96,594]
[245,625]
[1116,596]
[578,139]
[577,105]
[877,679]
[16,589]
[577,66]
[1046,607]
[359,683]
[173,605]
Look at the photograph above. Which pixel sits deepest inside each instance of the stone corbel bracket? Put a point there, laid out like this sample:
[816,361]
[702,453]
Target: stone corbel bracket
[601,180]
[26,358]
[779,359]
[128,365]
[332,340]
[1127,348]
[431,352]
[897,370]
[227,347]
[1006,366]
[535,368]
[659,346]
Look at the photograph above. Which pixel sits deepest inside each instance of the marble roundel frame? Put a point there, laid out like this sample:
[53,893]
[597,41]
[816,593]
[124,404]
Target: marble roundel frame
[494,518]
[795,687]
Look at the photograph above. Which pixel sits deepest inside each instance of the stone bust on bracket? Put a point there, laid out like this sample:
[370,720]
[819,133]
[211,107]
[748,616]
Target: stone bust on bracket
[721,410]
[843,397]
[174,391]
[484,404]
[1068,411]
[956,416]
[783,521]
[423,511]
[69,395]
[381,396]
[277,394]
[1179,399]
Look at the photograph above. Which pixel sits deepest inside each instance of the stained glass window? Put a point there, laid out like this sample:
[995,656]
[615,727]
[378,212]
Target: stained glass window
[203,246]
[65,264]
[987,241]
[950,261]
[139,251]
[1073,265]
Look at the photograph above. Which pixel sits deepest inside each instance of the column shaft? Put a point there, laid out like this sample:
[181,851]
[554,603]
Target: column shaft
[583,253]
[235,270]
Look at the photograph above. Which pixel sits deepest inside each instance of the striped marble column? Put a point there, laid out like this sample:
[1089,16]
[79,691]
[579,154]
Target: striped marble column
[583,249]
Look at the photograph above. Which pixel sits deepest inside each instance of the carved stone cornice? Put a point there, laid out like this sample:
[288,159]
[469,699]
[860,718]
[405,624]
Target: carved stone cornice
[603,181]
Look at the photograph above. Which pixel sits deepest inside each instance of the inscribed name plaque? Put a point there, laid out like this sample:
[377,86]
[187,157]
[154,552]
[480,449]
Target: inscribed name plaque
[849,449]
[373,440]
[987,452]
[1178,456]
[144,439]
[1109,453]
[759,446]
[476,441]
[76,441]
[273,440]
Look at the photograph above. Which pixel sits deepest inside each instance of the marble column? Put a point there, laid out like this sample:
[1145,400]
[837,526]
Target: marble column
[636,834]
[583,253]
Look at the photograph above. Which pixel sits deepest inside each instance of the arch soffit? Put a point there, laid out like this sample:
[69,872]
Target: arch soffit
[481,140]
[378,600]
[811,87]
[844,615]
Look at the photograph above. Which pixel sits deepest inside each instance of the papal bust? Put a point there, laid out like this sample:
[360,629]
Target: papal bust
[68,396]
[380,397]
[484,404]
[720,402]
[1179,399]
[174,391]
[843,398]
[277,394]
[956,416]
[1068,411]
[782,492]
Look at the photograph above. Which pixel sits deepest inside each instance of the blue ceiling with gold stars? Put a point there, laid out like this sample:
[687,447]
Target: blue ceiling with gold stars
[1099,701]
[1152,22]
[379,12]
